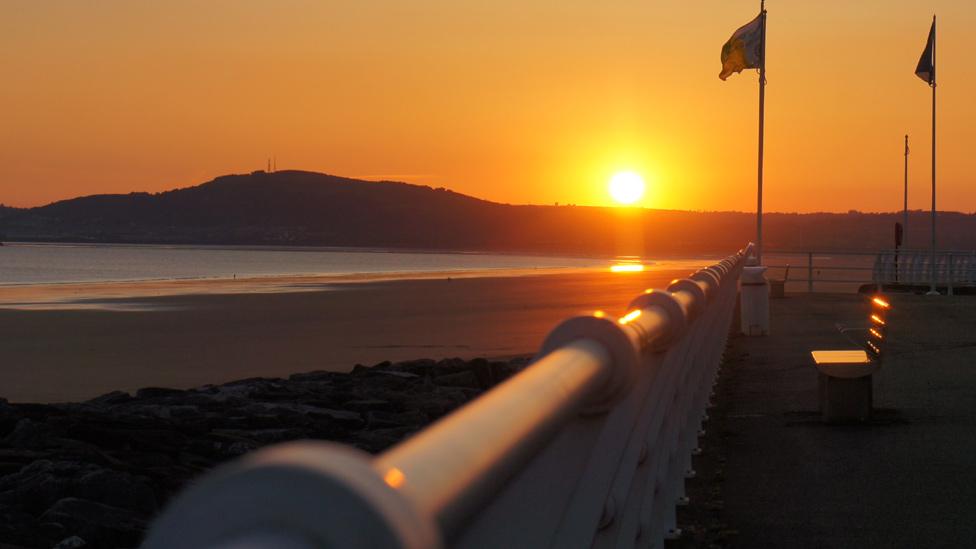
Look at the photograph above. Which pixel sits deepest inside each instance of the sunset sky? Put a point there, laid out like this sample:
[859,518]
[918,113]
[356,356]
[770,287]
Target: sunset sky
[512,101]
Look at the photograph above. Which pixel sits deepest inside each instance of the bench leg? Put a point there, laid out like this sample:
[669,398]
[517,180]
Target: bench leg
[821,392]
[845,399]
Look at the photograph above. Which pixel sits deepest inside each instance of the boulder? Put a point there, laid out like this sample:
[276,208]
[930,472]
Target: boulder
[366,404]
[377,419]
[117,488]
[73,542]
[459,379]
[20,530]
[158,392]
[317,375]
[38,485]
[418,367]
[43,482]
[108,399]
[102,525]
[394,373]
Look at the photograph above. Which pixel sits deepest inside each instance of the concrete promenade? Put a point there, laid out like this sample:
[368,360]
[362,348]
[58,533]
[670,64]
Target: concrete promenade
[772,475]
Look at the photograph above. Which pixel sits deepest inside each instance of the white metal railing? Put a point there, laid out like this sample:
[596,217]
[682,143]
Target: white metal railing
[833,270]
[836,269]
[950,269]
[587,447]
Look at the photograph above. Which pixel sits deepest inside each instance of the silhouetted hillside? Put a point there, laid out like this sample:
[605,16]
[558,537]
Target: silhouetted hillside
[304,208]
[5,213]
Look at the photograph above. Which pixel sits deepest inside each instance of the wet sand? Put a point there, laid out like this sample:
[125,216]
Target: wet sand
[83,342]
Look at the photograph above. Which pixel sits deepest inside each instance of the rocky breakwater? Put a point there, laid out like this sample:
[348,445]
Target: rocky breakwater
[95,473]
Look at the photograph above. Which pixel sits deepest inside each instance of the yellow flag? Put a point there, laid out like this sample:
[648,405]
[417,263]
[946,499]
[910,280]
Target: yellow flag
[745,49]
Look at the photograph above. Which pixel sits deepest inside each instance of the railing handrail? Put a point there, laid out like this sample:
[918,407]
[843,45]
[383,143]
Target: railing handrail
[426,490]
[905,266]
[448,477]
[820,251]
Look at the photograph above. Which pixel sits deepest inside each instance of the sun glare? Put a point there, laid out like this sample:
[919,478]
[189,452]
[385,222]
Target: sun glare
[626,187]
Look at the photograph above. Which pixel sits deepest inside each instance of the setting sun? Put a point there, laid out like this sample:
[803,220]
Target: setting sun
[626,187]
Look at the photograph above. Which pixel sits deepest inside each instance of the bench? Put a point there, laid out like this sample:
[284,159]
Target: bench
[844,375]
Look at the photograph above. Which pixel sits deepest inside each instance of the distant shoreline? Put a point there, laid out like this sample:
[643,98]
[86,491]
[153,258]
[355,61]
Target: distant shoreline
[61,263]
[62,295]
[287,248]
[349,249]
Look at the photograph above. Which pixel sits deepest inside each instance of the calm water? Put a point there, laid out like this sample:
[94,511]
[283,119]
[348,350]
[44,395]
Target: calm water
[59,263]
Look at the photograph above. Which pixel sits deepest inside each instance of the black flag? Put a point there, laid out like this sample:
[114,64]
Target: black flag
[926,64]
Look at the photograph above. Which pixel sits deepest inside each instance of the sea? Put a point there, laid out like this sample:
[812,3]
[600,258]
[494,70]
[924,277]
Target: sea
[33,263]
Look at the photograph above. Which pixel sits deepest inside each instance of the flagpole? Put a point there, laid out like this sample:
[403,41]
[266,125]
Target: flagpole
[762,118]
[932,290]
[900,236]
[904,227]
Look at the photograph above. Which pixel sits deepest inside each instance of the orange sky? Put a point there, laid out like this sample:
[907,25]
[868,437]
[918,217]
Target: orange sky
[513,101]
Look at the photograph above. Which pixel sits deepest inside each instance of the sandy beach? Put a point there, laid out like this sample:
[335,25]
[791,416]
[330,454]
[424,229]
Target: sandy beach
[72,342]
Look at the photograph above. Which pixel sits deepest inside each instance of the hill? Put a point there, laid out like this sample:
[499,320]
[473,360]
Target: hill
[6,211]
[305,208]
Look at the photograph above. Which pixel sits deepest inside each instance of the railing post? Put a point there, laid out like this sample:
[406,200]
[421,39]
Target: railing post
[810,272]
[949,273]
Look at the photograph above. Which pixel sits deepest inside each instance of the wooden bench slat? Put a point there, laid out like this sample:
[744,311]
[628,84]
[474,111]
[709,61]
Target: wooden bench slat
[845,356]
[844,363]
